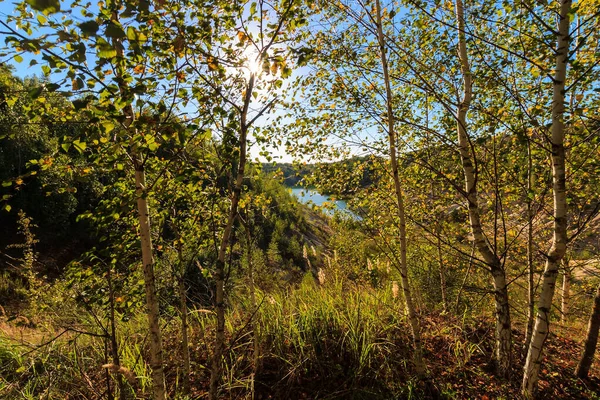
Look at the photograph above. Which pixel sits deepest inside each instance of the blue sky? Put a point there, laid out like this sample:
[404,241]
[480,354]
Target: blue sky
[21,69]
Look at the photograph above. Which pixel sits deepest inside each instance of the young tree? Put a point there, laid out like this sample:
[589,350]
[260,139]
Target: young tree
[107,60]
[559,239]
[242,62]
[503,325]
[392,139]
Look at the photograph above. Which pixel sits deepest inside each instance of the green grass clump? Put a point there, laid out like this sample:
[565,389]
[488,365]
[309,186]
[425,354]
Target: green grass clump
[334,337]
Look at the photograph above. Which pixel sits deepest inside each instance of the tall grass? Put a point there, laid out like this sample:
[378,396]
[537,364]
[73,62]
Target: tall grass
[336,339]
[323,340]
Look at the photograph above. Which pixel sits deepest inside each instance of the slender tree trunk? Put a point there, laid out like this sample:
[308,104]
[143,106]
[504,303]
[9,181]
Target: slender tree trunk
[442,269]
[462,286]
[152,309]
[406,288]
[591,340]
[530,266]
[565,293]
[217,362]
[156,356]
[109,393]
[185,348]
[503,324]
[559,240]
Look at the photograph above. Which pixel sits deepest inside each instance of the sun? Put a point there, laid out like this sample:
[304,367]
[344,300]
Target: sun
[252,63]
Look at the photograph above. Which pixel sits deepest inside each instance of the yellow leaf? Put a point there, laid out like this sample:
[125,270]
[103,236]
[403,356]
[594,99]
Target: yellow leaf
[212,63]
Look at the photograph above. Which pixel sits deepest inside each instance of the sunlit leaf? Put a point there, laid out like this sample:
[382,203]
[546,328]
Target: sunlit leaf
[45,6]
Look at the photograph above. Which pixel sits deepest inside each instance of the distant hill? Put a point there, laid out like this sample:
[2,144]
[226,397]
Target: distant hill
[342,178]
[292,173]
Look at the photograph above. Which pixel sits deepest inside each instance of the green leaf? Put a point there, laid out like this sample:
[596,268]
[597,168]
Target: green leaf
[45,6]
[41,19]
[79,146]
[114,31]
[108,126]
[35,92]
[66,146]
[6,183]
[52,87]
[18,58]
[105,49]
[107,52]
[286,72]
[78,104]
[89,28]
[135,36]
[181,136]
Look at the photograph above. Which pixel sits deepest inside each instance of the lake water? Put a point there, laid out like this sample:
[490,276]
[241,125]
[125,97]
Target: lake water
[309,196]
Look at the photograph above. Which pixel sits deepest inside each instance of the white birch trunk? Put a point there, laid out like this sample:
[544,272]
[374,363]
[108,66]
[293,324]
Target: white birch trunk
[442,270]
[253,324]
[183,311]
[156,358]
[530,266]
[152,309]
[406,288]
[503,325]
[559,240]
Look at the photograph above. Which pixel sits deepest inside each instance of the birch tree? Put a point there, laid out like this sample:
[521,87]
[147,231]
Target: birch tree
[243,63]
[503,325]
[127,41]
[392,139]
[559,239]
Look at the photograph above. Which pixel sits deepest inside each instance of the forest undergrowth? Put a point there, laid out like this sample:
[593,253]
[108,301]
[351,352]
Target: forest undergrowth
[334,340]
